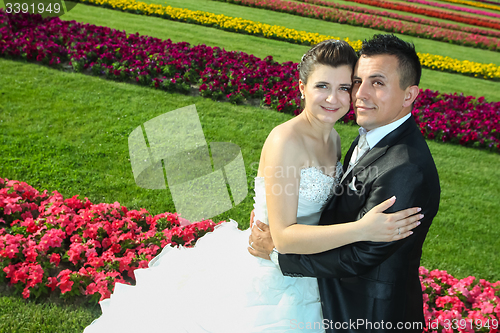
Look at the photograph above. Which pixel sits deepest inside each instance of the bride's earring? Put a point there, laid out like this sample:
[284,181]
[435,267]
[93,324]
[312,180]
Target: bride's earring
[301,96]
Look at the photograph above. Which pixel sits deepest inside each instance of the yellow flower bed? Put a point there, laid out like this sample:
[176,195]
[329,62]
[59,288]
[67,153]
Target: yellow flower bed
[487,71]
[447,64]
[474,4]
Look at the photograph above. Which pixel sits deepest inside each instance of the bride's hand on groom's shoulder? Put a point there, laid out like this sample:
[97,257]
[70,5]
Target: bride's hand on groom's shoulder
[260,241]
[376,226]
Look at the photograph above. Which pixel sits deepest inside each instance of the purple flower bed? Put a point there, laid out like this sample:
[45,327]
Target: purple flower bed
[462,9]
[218,74]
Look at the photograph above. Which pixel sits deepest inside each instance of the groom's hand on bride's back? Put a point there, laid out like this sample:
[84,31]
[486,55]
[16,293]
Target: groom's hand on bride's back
[260,241]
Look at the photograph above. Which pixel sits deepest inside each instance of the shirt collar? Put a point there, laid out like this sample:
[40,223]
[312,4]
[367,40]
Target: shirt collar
[375,135]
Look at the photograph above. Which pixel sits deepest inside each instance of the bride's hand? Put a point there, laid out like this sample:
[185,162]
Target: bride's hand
[380,227]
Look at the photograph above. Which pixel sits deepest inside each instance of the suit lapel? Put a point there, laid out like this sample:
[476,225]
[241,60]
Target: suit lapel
[380,148]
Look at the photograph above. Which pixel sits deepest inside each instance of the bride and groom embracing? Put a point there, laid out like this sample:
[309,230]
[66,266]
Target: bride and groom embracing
[325,274]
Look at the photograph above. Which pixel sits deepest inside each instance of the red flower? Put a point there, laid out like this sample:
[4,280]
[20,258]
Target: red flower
[55,259]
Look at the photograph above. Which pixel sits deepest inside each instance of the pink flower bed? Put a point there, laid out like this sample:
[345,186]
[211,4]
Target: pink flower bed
[375,22]
[408,18]
[219,74]
[462,9]
[49,244]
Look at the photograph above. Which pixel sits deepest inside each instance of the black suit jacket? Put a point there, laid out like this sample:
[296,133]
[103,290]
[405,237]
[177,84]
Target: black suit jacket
[370,286]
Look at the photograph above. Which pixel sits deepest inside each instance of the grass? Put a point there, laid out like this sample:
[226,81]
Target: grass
[21,316]
[68,132]
[281,51]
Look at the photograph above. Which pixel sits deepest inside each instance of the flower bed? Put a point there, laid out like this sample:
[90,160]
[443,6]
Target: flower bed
[374,22]
[49,244]
[476,4]
[458,119]
[490,2]
[486,71]
[72,247]
[462,9]
[452,305]
[480,22]
[219,74]
[408,18]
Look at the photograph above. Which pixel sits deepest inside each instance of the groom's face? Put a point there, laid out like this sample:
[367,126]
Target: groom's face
[376,95]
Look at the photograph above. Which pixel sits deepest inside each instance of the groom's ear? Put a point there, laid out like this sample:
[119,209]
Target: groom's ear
[411,94]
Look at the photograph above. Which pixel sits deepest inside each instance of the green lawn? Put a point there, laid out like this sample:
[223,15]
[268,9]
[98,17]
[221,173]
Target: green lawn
[68,132]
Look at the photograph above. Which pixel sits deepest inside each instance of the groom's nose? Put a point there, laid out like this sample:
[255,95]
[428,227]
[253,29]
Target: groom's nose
[361,91]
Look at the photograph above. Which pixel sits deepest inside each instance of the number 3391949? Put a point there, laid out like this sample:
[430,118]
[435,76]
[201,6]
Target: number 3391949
[39,8]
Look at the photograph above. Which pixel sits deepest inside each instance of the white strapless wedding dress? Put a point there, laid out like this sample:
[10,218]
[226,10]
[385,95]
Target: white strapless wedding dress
[218,286]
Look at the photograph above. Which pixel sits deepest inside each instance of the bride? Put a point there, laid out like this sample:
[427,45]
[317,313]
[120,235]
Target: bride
[217,286]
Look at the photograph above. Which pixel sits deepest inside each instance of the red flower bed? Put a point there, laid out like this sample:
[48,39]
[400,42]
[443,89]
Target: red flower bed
[473,20]
[74,247]
[459,119]
[219,74]
[374,22]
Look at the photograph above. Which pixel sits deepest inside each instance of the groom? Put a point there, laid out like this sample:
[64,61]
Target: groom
[369,286]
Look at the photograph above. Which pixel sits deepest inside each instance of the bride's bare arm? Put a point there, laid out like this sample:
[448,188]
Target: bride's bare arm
[283,160]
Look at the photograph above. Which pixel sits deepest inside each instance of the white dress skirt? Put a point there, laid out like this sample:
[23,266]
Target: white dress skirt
[217,286]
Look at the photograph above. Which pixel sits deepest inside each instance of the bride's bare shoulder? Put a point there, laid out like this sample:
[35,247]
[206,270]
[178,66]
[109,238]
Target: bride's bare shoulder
[286,135]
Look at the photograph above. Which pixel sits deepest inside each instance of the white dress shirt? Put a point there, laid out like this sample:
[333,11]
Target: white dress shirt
[375,135]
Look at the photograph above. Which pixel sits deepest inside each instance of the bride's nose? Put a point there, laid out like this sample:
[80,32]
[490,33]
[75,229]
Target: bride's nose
[332,97]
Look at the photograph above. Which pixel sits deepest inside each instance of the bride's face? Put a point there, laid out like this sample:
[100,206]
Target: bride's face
[327,92]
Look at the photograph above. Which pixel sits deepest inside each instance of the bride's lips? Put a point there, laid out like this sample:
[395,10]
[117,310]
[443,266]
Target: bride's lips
[330,109]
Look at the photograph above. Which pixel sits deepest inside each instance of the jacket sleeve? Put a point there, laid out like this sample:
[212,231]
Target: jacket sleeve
[407,183]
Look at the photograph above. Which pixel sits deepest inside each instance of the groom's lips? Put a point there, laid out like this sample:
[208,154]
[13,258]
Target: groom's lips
[362,108]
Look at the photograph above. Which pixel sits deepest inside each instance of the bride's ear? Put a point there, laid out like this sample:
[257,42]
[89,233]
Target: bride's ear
[302,87]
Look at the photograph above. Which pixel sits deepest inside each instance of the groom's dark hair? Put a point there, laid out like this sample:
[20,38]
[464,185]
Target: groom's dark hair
[409,67]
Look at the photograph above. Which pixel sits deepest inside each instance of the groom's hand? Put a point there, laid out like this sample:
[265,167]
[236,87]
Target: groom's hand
[260,241]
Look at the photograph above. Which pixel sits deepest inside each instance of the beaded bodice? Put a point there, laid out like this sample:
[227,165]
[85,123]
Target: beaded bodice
[315,190]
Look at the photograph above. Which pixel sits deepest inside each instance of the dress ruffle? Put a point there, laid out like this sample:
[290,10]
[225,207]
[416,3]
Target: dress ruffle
[217,286]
